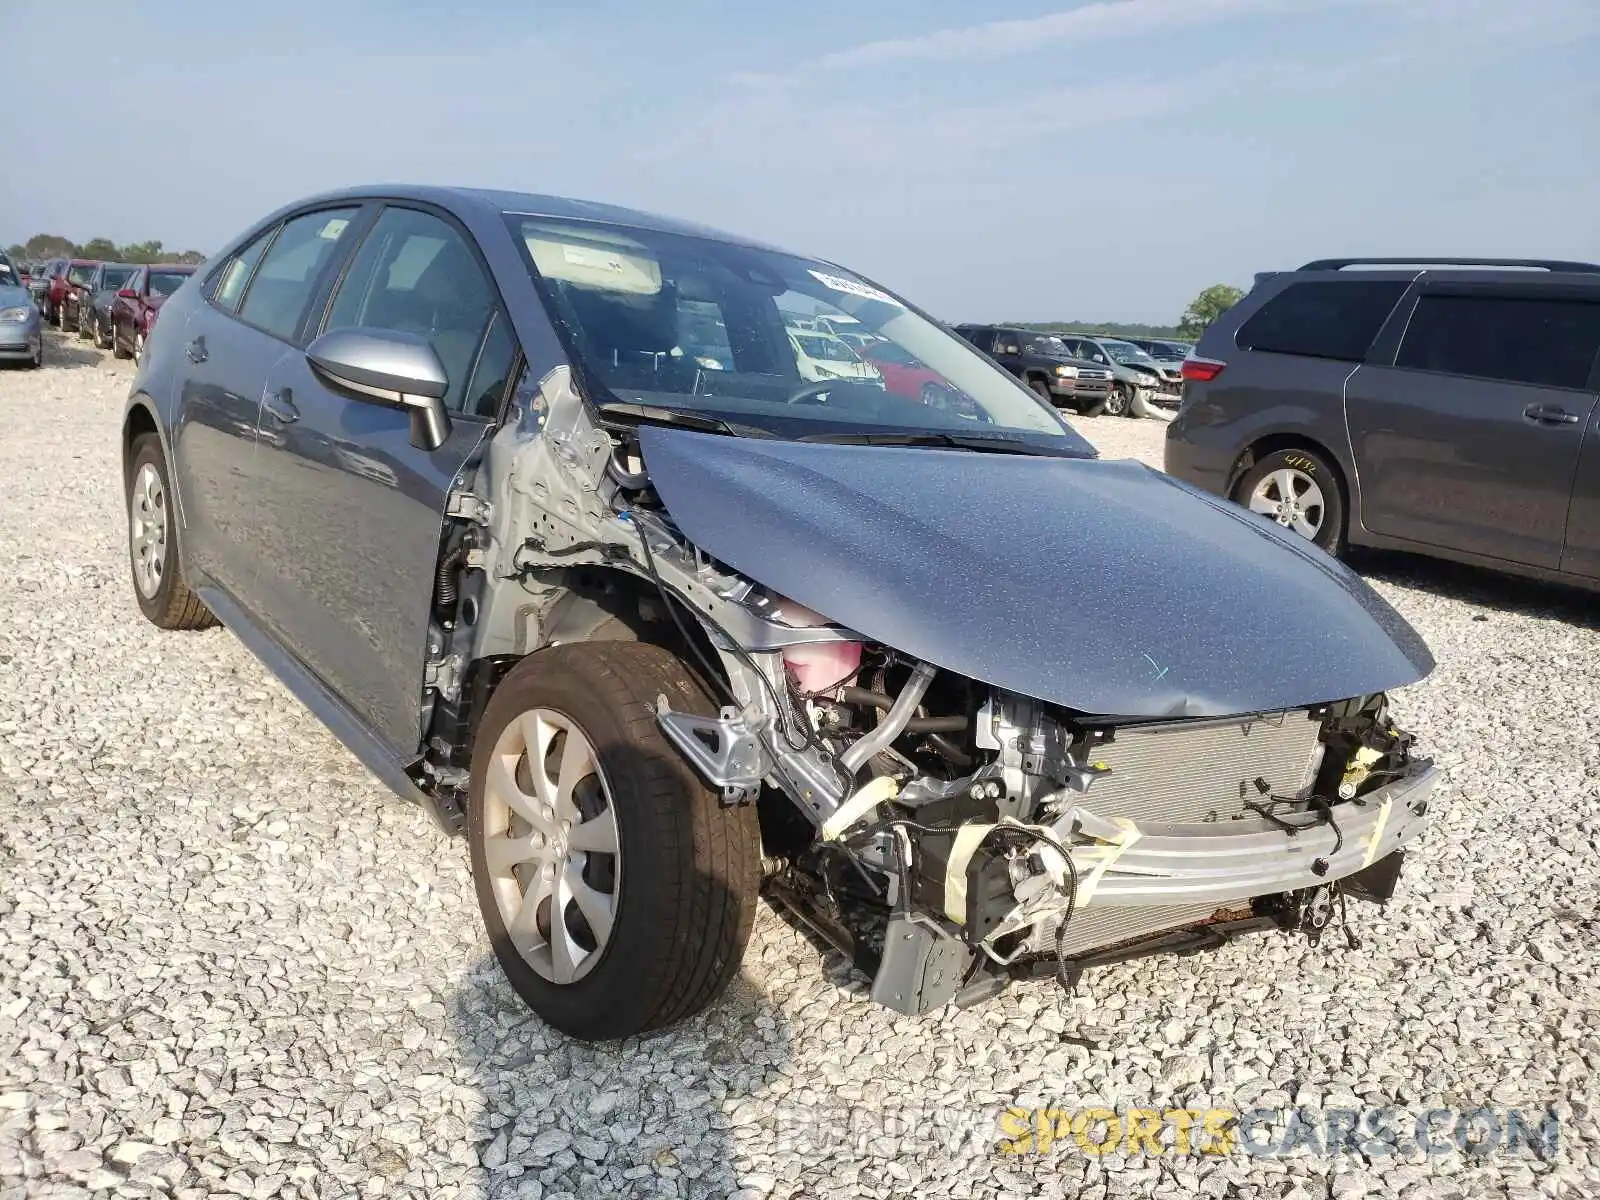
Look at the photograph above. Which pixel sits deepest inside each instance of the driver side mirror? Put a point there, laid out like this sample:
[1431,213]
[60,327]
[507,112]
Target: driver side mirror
[383,366]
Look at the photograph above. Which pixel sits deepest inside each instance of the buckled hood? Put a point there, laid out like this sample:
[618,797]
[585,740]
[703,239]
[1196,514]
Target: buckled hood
[1103,586]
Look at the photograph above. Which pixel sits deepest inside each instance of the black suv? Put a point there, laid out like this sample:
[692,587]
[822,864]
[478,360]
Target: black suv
[1043,362]
[1448,407]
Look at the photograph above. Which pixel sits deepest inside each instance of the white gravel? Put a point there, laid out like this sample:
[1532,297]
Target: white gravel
[231,964]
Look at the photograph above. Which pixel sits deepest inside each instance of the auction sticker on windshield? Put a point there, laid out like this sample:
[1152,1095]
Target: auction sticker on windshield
[851,287]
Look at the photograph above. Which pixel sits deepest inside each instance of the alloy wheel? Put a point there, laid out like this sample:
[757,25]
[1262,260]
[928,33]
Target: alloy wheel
[147,530]
[551,845]
[1117,401]
[1291,498]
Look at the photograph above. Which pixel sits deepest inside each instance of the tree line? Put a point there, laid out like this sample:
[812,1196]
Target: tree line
[1202,311]
[49,245]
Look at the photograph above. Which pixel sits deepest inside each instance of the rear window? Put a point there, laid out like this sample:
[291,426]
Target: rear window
[1548,343]
[1322,320]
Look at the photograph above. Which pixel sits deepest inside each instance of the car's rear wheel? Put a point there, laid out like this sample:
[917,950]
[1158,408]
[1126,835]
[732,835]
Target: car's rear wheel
[616,889]
[158,585]
[1300,490]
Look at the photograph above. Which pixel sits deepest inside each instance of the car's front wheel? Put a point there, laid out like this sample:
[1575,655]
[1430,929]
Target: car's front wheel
[1120,402]
[1300,490]
[164,598]
[617,890]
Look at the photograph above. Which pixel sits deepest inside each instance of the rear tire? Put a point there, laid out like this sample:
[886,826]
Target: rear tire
[153,553]
[686,870]
[1300,490]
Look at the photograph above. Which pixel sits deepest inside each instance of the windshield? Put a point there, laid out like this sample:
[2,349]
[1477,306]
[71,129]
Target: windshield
[1126,352]
[635,304]
[164,283]
[1050,347]
[80,274]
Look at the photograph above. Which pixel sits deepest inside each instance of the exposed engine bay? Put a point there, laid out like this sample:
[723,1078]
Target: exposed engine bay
[946,833]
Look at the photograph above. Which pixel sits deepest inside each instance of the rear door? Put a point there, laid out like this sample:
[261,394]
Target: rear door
[1470,440]
[356,509]
[231,341]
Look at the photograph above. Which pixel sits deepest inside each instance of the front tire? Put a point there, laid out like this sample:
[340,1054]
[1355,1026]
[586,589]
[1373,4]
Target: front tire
[1120,402]
[158,585]
[1300,490]
[616,889]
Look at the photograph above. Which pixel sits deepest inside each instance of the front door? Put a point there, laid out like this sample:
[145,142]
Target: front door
[357,510]
[1470,441]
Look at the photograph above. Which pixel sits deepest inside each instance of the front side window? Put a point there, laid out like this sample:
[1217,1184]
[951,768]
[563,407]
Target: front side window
[1548,343]
[1323,319]
[282,286]
[618,292]
[415,274]
[231,282]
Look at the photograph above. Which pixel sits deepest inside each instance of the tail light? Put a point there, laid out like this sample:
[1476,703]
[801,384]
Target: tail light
[1201,370]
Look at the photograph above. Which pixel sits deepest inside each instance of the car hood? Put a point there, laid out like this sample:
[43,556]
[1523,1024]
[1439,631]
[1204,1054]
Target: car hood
[12,296]
[1103,586]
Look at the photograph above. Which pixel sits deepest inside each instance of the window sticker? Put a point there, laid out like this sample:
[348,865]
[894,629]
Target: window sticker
[851,287]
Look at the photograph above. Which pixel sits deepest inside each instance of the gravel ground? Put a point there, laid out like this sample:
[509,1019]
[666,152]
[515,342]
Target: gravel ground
[231,964]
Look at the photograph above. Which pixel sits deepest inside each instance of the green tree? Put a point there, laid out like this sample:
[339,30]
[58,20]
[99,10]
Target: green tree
[16,250]
[100,248]
[1207,307]
[192,257]
[142,252]
[50,245]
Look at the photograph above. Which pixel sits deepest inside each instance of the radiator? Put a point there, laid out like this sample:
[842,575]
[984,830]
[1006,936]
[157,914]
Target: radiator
[1204,770]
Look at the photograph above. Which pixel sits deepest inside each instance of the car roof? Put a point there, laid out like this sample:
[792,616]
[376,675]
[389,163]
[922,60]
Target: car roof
[176,268]
[533,204]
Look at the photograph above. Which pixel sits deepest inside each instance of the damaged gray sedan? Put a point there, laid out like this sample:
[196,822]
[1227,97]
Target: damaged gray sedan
[532,503]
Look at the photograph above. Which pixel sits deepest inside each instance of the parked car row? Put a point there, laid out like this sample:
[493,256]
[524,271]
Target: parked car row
[114,305]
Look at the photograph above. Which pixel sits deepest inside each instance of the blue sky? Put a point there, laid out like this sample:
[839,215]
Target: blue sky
[1022,161]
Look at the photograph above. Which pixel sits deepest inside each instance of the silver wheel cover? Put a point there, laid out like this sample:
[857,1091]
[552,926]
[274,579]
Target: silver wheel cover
[1291,498]
[147,530]
[551,847]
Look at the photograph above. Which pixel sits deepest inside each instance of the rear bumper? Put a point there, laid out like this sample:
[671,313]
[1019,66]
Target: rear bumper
[1207,467]
[1231,861]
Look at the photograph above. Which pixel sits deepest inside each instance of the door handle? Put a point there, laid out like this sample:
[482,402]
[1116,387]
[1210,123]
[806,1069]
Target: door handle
[1550,414]
[195,351]
[280,406]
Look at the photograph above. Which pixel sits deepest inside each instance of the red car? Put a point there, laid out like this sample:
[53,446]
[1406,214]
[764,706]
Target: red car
[902,374]
[74,290]
[134,310]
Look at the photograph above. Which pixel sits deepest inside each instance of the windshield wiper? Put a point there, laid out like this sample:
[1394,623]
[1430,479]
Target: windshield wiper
[997,443]
[678,418]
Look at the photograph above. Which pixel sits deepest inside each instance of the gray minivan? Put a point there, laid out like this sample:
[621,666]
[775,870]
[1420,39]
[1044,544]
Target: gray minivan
[1445,407]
